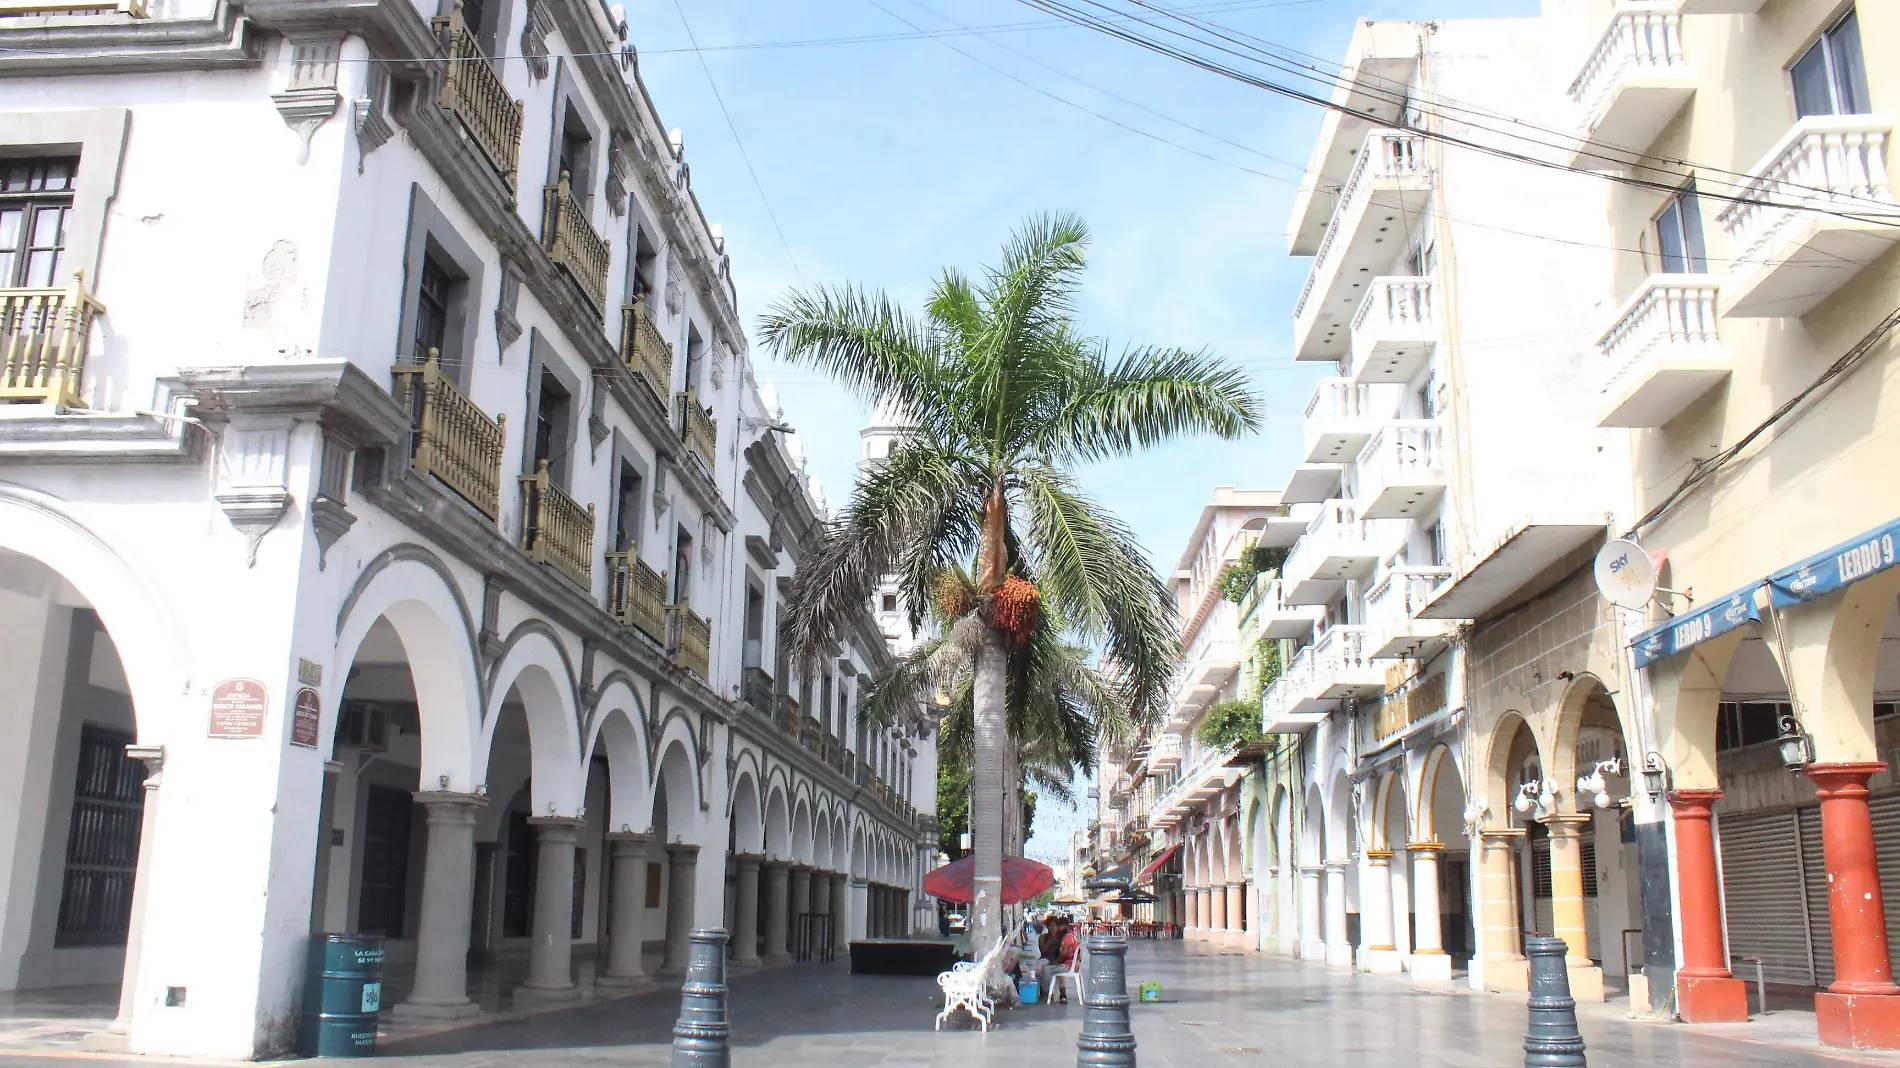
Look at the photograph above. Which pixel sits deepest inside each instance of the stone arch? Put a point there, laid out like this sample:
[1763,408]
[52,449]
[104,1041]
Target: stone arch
[778,822]
[1577,697]
[1388,801]
[617,729]
[1231,856]
[1339,818]
[801,829]
[860,860]
[1503,750]
[678,783]
[1438,761]
[1832,653]
[1687,691]
[1313,828]
[748,825]
[821,838]
[535,666]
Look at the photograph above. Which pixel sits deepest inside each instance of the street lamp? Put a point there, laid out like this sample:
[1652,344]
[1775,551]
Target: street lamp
[1655,774]
[1796,745]
[1594,784]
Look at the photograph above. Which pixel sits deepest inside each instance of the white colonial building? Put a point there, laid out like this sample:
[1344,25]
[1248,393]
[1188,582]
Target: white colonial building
[393,534]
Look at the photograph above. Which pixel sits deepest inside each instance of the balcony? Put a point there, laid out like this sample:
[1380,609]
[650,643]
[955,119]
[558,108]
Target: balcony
[1392,608]
[1395,330]
[1313,484]
[755,689]
[1280,709]
[451,438]
[689,640]
[1662,351]
[473,92]
[1634,81]
[555,529]
[636,595]
[1339,665]
[1402,470]
[1341,417]
[1788,256]
[697,428]
[1164,752]
[1204,780]
[1336,546]
[45,336]
[1389,184]
[571,241]
[648,355]
[1263,612]
[787,714]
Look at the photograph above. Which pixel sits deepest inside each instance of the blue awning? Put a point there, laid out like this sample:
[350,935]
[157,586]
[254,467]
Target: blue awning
[1832,569]
[1712,620]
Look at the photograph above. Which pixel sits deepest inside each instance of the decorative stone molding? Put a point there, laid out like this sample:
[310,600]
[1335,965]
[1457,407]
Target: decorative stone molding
[661,500]
[675,282]
[597,429]
[507,327]
[252,471]
[310,96]
[330,516]
[370,113]
[304,111]
[534,38]
[619,163]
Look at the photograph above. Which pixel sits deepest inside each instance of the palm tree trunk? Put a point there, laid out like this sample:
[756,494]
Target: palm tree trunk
[990,795]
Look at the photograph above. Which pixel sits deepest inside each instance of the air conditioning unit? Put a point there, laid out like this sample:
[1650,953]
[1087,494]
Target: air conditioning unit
[363,725]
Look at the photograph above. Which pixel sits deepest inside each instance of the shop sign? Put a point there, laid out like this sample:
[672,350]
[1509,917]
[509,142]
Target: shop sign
[305,715]
[1832,569]
[1691,629]
[237,708]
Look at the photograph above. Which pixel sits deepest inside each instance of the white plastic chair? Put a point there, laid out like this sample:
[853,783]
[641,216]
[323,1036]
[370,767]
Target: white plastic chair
[1071,978]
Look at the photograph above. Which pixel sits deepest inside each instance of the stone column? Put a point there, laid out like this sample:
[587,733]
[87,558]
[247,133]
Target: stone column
[1430,962]
[115,1035]
[1505,968]
[1311,936]
[1236,914]
[1381,953]
[1216,897]
[627,892]
[841,914]
[801,901]
[1191,925]
[1338,949]
[1861,1008]
[1566,903]
[777,907]
[682,878]
[551,949]
[440,990]
[745,927]
[820,893]
[1705,991]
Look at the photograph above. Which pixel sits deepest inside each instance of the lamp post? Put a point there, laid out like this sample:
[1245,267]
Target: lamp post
[1796,745]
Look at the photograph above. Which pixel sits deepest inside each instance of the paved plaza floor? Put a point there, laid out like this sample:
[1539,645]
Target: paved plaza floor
[1220,1010]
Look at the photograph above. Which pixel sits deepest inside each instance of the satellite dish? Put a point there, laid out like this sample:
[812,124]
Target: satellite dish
[1625,574]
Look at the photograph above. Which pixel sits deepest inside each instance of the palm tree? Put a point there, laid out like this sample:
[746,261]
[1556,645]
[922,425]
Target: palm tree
[1005,395]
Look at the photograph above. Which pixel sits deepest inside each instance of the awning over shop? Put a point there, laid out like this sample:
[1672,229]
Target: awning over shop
[1518,568]
[1690,629]
[1154,865]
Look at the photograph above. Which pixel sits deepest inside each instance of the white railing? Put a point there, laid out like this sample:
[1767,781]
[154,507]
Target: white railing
[1341,651]
[1402,449]
[1296,682]
[1673,313]
[1336,522]
[1210,763]
[1339,399]
[1641,40]
[1832,162]
[1401,593]
[1401,304]
[1275,701]
[1386,154]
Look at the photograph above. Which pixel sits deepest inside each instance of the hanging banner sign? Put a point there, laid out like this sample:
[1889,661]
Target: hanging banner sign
[1686,631]
[304,718]
[1832,569]
[237,708]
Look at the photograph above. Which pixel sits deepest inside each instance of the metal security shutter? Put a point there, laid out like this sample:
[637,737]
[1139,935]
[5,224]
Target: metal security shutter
[1886,813]
[1814,879]
[1762,888]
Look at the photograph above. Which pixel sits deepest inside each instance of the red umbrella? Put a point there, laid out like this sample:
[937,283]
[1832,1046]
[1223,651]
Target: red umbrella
[1022,879]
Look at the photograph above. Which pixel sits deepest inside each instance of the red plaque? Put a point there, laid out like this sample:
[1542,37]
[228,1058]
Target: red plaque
[237,708]
[304,717]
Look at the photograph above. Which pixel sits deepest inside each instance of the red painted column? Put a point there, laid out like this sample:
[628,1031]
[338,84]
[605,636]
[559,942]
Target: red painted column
[1705,991]
[1861,1010]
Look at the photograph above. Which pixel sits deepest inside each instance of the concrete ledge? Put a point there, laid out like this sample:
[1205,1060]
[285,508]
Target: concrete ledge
[414,1011]
[1709,999]
[1858,1021]
[1433,968]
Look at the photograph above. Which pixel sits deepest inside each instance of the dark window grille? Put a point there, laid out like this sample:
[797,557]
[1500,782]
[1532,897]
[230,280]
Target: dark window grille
[102,846]
[385,884]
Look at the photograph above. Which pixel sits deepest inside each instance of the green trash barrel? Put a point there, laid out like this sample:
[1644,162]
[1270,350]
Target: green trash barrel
[342,993]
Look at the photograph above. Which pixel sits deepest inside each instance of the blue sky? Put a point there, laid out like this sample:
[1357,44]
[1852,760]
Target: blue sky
[885,161]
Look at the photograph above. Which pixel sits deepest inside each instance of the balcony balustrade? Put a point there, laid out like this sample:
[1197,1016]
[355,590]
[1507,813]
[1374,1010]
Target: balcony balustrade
[1392,607]
[1337,666]
[1204,779]
[645,352]
[689,639]
[697,429]
[1265,612]
[45,336]
[1342,415]
[555,529]
[473,92]
[636,594]
[1662,352]
[1633,82]
[1164,752]
[572,242]
[755,688]
[1402,470]
[1405,706]
[1390,182]
[1812,213]
[1395,331]
[787,715]
[450,437]
[138,9]
[1337,546]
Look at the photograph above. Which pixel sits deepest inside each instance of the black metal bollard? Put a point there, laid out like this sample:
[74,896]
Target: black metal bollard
[699,1036]
[1552,1040]
[1108,1038]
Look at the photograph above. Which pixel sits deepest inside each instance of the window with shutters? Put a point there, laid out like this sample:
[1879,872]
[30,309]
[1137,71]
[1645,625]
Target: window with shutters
[36,199]
[102,846]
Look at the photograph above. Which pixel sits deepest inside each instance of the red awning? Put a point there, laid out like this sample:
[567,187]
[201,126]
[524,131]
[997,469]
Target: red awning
[1164,856]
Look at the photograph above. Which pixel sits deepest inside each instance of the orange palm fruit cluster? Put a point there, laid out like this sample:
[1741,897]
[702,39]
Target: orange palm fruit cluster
[954,596]
[1016,607]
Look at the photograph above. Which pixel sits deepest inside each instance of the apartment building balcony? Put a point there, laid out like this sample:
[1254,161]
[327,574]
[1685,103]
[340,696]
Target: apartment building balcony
[1813,212]
[45,336]
[1390,183]
[555,529]
[1264,611]
[1341,416]
[1201,782]
[755,688]
[689,640]
[1163,753]
[1208,665]
[1339,665]
[1632,83]
[698,429]
[572,242]
[1336,546]
[1662,351]
[1395,331]
[1392,614]
[473,92]
[1281,710]
[1402,470]
[636,594]
[645,352]
[451,438]
[1313,483]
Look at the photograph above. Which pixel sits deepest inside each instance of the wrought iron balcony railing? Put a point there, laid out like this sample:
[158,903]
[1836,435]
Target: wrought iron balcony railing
[45,335]
[472,90]
[572,241]
[648,355]
[555,529]
[698,429]
[637,595]
[755,688]
[689,639]
[451,438]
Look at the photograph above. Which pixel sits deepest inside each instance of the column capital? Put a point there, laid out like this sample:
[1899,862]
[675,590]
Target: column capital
[683,850]
[1312,869]
[1501,835]
[1425,847]
[1565,824]
[1379,854]
[1843,779]
[447,809]
[1694,804]
[745,861]
[1339,866]
[631,838]
[547,824]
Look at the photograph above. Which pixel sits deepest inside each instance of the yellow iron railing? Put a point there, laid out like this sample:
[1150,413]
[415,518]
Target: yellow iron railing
[572,242]
[472,89]
[648,355]
[637,595]
[555,529]
[689,639]
[44,337]
[698,429]
[450,437]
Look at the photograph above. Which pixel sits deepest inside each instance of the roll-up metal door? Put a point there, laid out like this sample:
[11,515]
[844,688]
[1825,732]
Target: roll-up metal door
[1814,880]
[1768,905]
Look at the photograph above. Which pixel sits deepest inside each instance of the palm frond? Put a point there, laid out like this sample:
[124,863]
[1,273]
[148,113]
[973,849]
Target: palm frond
[864,340]
[1150,396]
